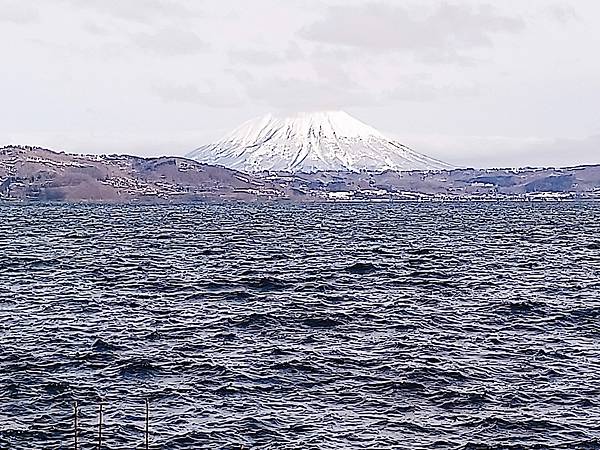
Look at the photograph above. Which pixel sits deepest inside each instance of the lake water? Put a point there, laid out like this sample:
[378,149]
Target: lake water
[408,326]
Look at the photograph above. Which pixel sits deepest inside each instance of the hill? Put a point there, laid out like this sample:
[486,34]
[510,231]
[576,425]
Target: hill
[37,174]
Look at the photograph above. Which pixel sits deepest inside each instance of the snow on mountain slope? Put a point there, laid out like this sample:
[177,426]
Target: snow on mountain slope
[310,142]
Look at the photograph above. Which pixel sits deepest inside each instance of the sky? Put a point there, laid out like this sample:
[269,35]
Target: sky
[475,83]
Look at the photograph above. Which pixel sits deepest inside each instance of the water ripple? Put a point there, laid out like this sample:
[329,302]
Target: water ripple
[412,326]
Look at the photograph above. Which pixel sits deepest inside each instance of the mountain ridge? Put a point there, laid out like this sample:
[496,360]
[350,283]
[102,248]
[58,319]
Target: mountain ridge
[38,174]
[30,175]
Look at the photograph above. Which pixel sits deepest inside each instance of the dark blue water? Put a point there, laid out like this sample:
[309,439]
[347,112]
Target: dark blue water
[413,326]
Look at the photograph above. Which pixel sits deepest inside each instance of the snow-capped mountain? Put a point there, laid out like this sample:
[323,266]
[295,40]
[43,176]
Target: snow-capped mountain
[310,142]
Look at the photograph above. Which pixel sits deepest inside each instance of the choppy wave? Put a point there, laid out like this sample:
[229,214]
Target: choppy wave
[413,326]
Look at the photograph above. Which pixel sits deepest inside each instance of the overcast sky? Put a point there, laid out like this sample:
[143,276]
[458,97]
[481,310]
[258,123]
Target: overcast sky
[477,83]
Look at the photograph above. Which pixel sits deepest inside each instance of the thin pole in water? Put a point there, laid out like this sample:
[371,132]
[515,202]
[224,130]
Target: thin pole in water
[147,424]
[100,428]
[75,425]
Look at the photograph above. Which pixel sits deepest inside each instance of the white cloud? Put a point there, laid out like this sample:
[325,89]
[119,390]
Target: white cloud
[139,10]
[504,151]
[213,96]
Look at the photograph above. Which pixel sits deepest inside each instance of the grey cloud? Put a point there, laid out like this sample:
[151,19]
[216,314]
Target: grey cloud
[95,29]
[16,12]
[382,27]
[214,97]
[170,41]
[263,57]
[333,88]
[253,56]
[337,54]
[300,93]
[563,13]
